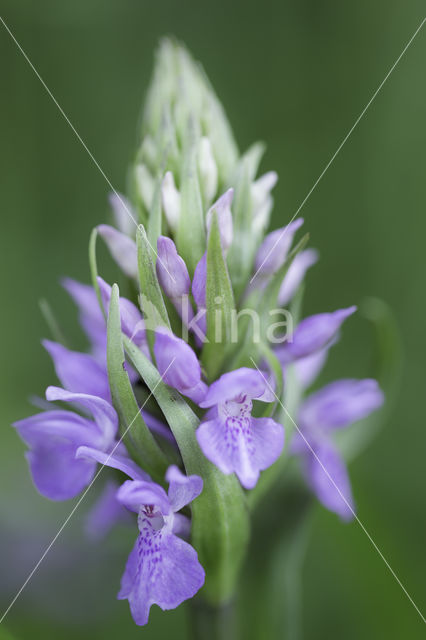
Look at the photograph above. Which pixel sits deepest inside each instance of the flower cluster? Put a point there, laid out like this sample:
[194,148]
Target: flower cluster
[163,396]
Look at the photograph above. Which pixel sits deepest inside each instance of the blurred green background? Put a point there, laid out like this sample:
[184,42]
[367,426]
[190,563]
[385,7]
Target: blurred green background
[295,73]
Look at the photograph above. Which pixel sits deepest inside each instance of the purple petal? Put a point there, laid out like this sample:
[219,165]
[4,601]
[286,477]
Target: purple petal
[307,369]
[78,372]
[268,439]
[162,569]
[182,489]
[106,513]
[135,493]
[312,334]
[91,318]
[199,283]
[328,478]
[273,251]
[57,425]
[295,275]
[56,472]
[243,381]
[103,412]
[237,446]
[341,403]
[122,249]
[171,269]
[178,365]
[116,460]
[124,216]
[222,206]
[131,317]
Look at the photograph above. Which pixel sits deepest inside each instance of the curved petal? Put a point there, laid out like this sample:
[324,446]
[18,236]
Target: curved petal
[312,334]
[124,216]
[135,493]
[273,251]
[268,440]
[295,275]
[341,403]
[162,569]
[328,478]
[199,282]
[230,385]
[115,460]
[222,206]
[122,249]
[65,425]
[78,372]
[103,412]
[56,472]
[176,361]
[182,489]
[91,318]
[130,315]
[171,269]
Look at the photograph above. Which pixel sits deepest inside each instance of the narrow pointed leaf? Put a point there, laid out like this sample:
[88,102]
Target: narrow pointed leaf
[191,234]
[133,429]
[220,304]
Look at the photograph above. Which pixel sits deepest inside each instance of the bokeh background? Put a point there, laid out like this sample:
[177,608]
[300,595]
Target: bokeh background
[296,74]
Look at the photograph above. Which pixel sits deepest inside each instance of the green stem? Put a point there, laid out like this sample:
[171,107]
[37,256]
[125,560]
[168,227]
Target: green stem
[208,622]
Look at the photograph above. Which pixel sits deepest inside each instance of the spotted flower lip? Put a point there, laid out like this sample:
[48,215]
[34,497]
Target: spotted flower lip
[229,436]
[162,568]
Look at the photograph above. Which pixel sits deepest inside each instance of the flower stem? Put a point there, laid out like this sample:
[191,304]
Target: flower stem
[207,622]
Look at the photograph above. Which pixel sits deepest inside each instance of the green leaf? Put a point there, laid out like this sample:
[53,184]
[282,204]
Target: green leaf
[191,233]
[219,303]
[94,268]
[152,298]
[220,524]
[155,218]
[241,253]
[133,429]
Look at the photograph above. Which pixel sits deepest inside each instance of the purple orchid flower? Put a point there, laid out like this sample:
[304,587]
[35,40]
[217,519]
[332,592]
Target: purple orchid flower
[229,436]
[162,568]
[334,407]
[53,438]
[178,365]
[173,277]
[313,334]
